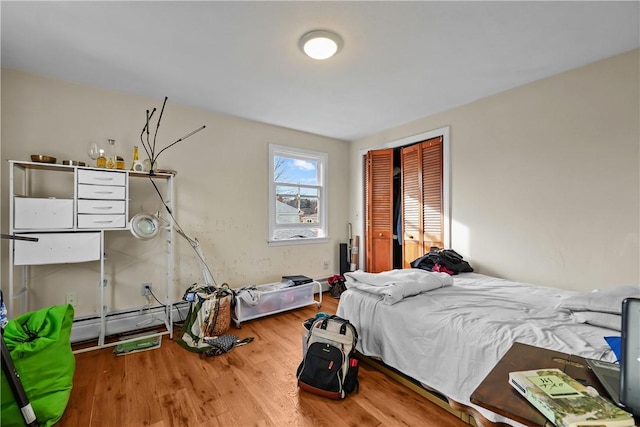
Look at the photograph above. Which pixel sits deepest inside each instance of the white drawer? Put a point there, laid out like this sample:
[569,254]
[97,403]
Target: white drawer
[56,248]
[33,213]
[101,221]
[101,177]
[101,206]
[100,192]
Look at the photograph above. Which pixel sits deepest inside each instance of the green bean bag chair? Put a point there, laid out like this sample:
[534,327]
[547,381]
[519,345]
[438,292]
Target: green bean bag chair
[40,346]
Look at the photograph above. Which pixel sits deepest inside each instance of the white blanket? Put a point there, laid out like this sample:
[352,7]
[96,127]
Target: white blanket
[394,285]
[450,338]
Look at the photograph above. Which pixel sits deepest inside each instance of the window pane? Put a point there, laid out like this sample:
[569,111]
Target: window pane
[297,197]
[296,205]
[295,171]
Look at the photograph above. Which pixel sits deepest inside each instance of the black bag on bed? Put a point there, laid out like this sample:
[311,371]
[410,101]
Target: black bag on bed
[329,367]
[445,257]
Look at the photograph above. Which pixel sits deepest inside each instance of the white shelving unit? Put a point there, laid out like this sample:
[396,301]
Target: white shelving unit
[71,228]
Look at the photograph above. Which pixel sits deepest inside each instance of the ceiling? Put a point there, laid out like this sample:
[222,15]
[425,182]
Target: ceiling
[400,61]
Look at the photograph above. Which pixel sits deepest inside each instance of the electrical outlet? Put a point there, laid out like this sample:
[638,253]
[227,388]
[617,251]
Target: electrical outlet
[72,298]
[326,264]
[145,289]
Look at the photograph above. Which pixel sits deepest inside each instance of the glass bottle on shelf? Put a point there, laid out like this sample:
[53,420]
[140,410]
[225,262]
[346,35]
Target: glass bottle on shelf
[111,154]
[101,160]
[135,158]
[120,164]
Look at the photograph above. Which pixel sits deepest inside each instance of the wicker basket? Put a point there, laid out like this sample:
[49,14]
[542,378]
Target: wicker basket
[218,319]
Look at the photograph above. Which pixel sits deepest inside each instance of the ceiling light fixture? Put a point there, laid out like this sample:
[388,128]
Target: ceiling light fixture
[320,44]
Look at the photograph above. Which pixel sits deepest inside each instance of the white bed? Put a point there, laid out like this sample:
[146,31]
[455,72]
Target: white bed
[450,338]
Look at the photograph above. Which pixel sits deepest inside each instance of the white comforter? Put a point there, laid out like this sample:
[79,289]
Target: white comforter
[451,337]
[394,285]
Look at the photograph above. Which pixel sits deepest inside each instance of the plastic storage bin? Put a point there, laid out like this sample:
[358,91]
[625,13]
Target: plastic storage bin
[274,298]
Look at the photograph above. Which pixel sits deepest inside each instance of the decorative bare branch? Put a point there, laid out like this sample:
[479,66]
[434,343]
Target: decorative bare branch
[151,149]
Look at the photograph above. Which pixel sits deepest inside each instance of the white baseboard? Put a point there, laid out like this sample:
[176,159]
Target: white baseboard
[323,283]
[87,329]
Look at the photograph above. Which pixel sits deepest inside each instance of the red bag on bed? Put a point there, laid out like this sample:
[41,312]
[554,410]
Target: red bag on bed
[447,258]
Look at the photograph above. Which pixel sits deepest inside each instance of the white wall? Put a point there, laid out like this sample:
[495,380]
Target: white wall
[221,186]
[545,177]
[545,181]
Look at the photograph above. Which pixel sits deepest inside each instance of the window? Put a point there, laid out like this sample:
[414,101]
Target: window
[297,195]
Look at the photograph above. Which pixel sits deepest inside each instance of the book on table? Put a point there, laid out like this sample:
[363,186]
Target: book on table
[565,401]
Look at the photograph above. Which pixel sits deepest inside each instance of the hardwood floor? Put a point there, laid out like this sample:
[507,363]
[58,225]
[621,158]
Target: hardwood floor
[252,385]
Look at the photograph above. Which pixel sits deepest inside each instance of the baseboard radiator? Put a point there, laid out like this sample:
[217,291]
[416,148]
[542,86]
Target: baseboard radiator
[117,323]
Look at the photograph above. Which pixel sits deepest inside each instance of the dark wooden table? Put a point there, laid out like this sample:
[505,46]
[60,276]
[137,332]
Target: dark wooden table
[497,395]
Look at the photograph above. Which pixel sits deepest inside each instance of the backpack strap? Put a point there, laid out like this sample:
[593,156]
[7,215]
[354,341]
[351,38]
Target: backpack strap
[343,326]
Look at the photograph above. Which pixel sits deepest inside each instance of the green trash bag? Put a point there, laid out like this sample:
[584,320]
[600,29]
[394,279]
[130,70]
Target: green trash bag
[40,346]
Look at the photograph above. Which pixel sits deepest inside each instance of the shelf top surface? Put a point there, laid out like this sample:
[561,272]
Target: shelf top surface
[71,168]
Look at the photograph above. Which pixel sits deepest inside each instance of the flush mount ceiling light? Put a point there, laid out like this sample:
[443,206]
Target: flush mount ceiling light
[320,44]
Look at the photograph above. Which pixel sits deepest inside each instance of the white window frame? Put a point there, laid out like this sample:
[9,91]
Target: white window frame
[322,160]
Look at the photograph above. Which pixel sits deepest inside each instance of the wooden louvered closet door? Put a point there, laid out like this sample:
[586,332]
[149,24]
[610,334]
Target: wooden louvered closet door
[411,204]
[422,208]
[379,210]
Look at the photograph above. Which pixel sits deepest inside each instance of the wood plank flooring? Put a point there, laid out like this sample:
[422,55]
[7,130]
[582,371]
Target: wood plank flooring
[253,385]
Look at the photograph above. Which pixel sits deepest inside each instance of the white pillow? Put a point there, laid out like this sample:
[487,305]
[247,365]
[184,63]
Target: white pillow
[595,318]
[603,300]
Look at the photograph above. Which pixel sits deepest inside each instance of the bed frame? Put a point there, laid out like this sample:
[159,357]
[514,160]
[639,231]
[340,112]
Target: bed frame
[464,412]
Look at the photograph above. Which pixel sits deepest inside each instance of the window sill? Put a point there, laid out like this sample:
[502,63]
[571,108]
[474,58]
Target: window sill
[293,242]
